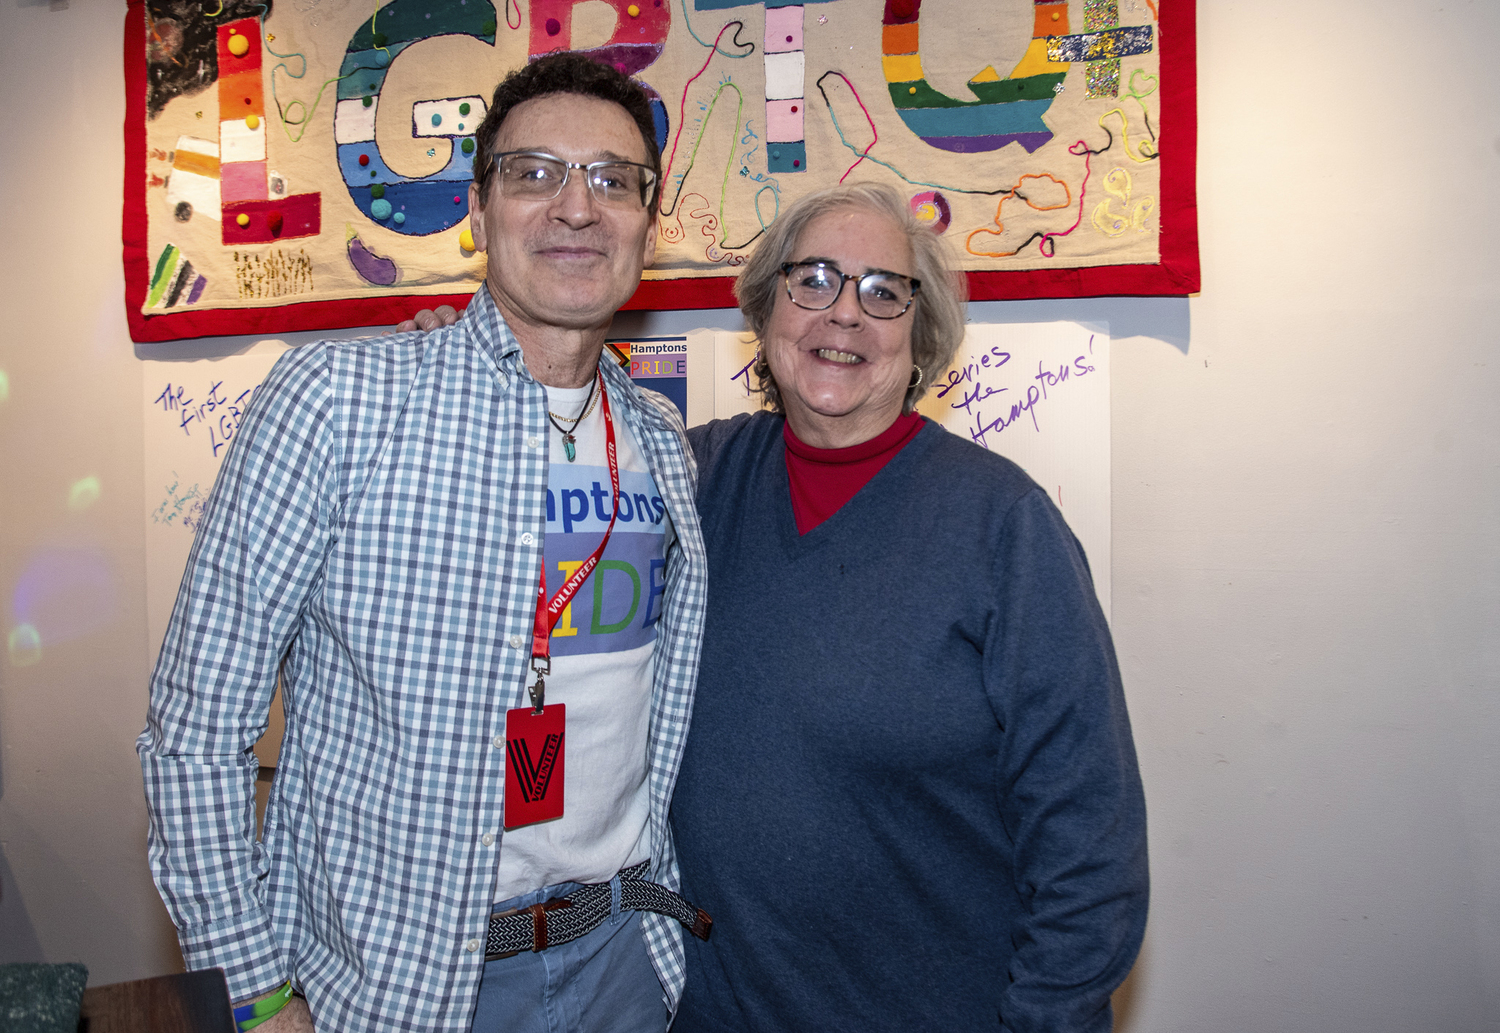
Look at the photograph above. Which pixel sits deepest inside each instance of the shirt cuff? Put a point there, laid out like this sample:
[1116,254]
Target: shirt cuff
[243,946]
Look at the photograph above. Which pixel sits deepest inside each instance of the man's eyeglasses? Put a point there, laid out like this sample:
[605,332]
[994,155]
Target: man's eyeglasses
[535,176]
[817,285]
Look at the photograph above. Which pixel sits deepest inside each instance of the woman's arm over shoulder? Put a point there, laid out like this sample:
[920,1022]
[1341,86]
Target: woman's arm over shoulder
[709,440]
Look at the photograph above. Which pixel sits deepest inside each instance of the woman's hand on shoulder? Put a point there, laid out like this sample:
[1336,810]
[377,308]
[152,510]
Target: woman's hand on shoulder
[429,319]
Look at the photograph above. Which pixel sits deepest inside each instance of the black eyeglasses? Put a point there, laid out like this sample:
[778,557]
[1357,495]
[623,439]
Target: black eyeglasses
[536,176]
[817,285]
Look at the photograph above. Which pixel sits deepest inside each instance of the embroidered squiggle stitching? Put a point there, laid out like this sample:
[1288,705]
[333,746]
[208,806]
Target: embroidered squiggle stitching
[876,132]
[1015,191]
[682,109]
[735,40]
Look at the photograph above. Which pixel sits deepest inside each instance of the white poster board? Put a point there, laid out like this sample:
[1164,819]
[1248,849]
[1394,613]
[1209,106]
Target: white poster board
[1036,393]
[193,410]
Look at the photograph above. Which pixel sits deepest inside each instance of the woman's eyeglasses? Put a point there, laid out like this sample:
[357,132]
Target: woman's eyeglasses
[817,285]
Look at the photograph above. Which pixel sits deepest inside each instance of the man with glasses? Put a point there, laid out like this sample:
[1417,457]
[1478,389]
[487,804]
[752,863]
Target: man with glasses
[472,558]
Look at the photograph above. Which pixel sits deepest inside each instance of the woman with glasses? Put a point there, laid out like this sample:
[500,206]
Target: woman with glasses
[909,796]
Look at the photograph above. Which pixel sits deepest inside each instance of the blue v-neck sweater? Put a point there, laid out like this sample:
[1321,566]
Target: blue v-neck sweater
[909,797]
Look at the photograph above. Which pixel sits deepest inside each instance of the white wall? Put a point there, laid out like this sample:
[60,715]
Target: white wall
[1307,495]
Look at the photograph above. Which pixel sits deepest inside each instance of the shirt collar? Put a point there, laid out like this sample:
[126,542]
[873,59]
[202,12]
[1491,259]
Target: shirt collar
[487,327]
[490,332]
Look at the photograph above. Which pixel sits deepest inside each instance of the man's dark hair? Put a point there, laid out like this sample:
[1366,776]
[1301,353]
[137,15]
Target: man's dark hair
[564,72]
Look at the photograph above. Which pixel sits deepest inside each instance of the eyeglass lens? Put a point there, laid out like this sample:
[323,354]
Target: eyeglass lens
[540,178]
[816,285]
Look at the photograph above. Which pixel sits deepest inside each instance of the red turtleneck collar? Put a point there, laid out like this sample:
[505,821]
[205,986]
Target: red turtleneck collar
[823,479]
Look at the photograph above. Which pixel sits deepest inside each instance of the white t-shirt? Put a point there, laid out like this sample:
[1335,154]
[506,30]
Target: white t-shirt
[602,650]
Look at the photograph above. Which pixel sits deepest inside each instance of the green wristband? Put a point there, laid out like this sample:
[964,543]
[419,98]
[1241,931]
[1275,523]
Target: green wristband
[248,1016]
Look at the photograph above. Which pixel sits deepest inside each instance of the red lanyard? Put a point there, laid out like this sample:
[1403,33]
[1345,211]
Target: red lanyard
[548,614]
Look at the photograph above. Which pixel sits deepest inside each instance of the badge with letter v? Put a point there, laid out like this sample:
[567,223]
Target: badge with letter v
[534,765]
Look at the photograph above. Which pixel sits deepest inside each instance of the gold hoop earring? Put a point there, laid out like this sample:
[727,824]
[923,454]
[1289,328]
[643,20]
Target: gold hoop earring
[917,380]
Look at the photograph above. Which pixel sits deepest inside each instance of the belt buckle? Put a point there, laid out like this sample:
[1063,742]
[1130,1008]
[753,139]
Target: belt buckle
[538,914]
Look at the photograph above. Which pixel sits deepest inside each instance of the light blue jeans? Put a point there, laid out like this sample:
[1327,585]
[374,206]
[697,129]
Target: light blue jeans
[599,983]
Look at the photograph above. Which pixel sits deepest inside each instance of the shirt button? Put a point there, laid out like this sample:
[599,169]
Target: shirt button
[471,946]
[531,442]
[499,742]
[487,839]
[515,642]
[527,538]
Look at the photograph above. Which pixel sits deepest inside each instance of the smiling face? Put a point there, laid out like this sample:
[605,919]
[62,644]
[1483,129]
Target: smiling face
[568,263]
[842,374]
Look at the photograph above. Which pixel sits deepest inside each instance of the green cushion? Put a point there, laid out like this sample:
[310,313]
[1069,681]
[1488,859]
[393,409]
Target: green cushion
[41,998]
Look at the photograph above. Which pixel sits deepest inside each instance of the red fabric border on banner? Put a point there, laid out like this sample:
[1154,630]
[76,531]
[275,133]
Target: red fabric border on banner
[1176,274]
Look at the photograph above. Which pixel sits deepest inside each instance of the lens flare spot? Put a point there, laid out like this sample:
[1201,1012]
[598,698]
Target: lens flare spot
[25,646]
[4,387]
[69,592]
[83,494]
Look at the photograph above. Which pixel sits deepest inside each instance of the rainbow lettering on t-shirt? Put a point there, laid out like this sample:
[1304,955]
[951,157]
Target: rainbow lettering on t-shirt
[619,605]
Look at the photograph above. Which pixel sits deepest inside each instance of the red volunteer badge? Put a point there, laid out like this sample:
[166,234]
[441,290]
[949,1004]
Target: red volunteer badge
[534,765]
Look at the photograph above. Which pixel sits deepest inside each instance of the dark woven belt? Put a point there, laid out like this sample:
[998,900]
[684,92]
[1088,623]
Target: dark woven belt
[561,919]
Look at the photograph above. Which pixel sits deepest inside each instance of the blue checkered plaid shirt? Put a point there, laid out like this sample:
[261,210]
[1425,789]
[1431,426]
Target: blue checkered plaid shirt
[376,535]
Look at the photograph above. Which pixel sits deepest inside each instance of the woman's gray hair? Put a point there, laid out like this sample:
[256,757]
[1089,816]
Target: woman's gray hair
[937,314]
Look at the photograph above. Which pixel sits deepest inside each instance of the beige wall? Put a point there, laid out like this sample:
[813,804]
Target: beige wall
[1306,501]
